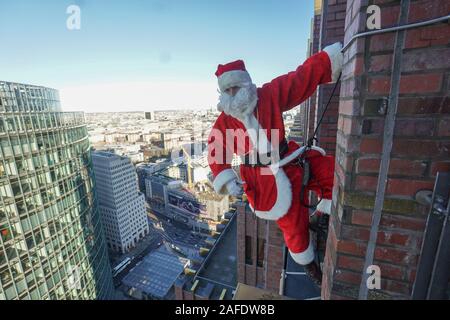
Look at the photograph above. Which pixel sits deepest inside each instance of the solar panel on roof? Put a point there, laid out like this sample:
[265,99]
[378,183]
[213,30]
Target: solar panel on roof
[157,273]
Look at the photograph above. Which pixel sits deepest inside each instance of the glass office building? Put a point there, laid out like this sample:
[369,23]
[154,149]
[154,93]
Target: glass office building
[51,241]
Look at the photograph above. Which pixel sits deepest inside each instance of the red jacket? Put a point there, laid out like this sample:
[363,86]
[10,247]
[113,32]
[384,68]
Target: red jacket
[270,195]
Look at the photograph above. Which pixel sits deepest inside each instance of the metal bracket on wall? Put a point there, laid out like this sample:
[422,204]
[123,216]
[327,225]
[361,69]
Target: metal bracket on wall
[384,106]
[424,197]
[433,271]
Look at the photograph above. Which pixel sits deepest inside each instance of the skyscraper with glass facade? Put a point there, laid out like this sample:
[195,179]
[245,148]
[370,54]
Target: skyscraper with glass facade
[51,240]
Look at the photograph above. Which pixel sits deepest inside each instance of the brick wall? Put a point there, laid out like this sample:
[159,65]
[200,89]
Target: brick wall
[179,291]
[267,277]
[274,259]
[332,31]
[309,106]
[420,148]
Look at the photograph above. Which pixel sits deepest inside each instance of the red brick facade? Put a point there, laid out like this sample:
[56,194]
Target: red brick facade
[420,147]
[268,275]
[328,28]
[332,31]
[309,106]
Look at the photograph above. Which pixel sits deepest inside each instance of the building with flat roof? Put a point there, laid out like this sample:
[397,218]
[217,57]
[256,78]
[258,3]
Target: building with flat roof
[150,115]
[154,277]
[216,277]
[122,206]
[145,170]
[200,208]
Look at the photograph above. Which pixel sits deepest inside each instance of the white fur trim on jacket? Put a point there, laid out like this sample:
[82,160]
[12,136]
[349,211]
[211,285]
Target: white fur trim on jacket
[336,58]
[306,256]
[294,155]
[233,78]
[284,198]
[257,135]
[222,179]
[324,206]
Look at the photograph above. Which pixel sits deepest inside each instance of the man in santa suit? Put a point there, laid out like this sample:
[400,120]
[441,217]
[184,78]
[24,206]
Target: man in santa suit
[251,126]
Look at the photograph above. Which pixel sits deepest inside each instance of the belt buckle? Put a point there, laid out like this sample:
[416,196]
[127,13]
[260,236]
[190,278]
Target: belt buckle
[299,161]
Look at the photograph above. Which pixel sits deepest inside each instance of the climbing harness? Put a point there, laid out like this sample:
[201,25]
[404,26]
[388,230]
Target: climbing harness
[248,159]
[303,161]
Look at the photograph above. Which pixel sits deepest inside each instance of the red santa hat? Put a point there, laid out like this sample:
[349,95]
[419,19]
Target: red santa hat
[232,74]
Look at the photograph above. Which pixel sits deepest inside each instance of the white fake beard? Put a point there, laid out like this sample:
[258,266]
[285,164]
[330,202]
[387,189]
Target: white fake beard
[242,104]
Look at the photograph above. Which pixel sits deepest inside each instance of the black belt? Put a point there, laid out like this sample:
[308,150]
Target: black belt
[250,161]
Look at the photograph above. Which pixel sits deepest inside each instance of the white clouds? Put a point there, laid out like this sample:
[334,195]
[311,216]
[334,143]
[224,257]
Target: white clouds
[139,96]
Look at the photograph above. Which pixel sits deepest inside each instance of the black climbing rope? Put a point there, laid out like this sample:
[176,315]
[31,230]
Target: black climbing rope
[311,140]
[303,162]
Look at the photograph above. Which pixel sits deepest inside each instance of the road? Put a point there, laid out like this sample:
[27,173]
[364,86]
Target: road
[177,233]
[160,231]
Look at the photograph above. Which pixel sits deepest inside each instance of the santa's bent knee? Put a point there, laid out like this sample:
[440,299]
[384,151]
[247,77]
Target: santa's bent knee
[324,206]
[304,257]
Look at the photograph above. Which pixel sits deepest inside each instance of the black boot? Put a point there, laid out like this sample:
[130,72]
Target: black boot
[314,273]
[322,233]
[319,225]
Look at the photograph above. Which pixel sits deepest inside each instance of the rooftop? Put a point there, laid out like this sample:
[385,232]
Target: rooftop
[246,292]
[205,195]
[219,271]
[221,265]
[107,154]
[156,274]
[297,284]
[159,178]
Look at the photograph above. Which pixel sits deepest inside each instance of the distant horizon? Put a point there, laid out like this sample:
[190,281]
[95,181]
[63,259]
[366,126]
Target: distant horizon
[154,53]
[157,110]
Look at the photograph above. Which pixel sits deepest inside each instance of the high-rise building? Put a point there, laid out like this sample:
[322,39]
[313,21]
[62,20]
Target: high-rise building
[296,131]
[150,115]
[51,239]
[144,170]
[121,205]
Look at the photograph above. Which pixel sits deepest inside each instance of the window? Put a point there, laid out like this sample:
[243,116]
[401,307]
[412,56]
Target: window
[2,170]
[261,252]
[248,250]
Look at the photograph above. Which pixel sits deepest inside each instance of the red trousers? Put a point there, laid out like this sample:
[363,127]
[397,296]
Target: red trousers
[295,223]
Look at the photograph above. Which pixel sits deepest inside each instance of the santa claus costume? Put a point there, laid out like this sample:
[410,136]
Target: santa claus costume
[274,190]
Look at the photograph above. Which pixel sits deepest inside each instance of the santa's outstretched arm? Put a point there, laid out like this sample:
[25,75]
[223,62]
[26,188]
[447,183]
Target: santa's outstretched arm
[291,89]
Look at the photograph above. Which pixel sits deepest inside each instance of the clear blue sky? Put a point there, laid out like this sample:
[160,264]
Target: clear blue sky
[148,42]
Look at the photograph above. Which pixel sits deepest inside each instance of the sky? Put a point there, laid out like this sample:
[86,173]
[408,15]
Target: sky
[143,55]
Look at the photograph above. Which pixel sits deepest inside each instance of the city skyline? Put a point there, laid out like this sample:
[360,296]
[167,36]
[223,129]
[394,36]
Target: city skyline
[116,175]
[149,55]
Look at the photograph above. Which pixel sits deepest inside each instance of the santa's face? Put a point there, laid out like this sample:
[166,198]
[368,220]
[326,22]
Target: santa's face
[239,103]
[232,91]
